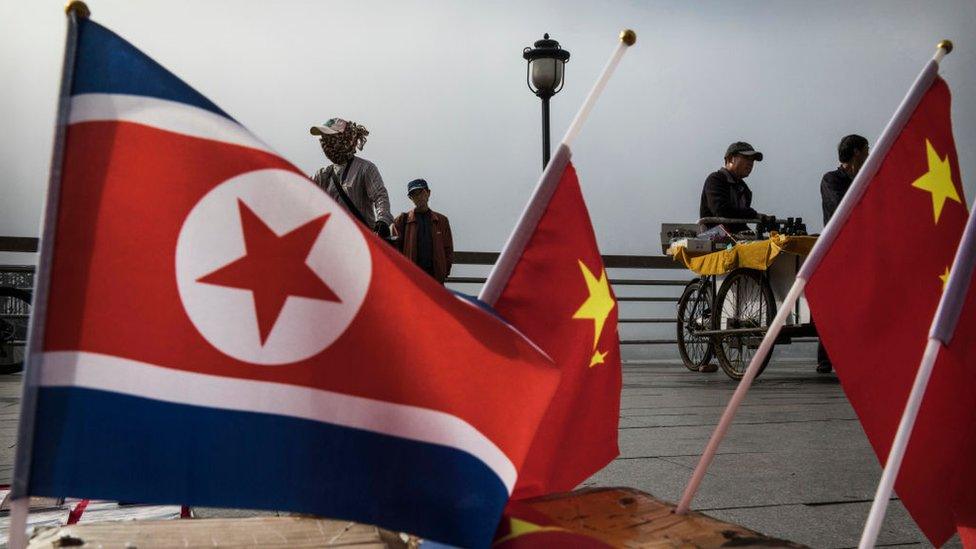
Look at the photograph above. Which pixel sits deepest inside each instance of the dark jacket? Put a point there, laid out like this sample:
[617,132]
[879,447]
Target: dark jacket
[443,243]
[833,187]
[724,195]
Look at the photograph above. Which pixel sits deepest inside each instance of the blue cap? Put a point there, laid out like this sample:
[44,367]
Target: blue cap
[417,184]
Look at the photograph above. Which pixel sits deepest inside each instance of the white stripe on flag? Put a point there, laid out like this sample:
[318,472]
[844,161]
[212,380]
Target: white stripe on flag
[139,379]
[171,116]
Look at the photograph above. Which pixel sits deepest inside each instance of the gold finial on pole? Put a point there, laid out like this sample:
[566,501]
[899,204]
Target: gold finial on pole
[629,37]
[79,8]
[942,50]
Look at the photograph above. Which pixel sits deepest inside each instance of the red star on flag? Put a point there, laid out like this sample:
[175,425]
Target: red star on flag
[273,267]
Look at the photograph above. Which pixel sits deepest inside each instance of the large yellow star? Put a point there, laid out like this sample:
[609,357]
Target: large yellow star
[938,180]
[597,307]
[944,278]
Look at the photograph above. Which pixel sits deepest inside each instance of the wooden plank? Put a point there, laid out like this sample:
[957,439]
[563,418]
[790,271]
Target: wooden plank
[29,244]
[270,532]
[18,244]
[640,262]
[619,517]
[646,282]
[609,261]
[648,320]
[475,258]
[613,281]
[626,517]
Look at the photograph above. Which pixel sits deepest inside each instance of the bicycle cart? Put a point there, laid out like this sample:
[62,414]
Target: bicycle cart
[726,310]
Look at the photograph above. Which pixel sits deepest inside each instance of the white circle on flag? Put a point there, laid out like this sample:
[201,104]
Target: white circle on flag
[212,238]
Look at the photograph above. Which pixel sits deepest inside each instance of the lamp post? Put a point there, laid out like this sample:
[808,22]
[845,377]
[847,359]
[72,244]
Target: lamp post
[544,76]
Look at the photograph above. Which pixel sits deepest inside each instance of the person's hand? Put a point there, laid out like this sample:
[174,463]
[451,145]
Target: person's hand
[382,228]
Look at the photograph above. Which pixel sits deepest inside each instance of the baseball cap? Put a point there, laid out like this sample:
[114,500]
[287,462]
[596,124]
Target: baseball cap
[743,148]
[330,127]
[417,184]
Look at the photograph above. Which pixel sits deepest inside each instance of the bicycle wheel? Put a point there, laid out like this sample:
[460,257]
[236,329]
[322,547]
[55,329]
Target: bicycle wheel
[744,301]
[14,317]
[694,308]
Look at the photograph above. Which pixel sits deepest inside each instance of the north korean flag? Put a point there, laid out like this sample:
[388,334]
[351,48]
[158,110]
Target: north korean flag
[219,332]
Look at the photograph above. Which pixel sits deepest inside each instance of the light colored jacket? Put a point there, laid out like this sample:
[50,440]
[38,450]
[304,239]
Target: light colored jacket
[364,186]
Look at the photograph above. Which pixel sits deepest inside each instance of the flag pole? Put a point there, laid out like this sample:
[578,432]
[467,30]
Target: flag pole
[536,206]
[940,334]
[75,10]
[827,237]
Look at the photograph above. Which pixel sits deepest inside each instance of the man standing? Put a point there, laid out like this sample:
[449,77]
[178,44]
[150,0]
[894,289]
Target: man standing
[725,193]
[852,151]
[425,235]
[353,182]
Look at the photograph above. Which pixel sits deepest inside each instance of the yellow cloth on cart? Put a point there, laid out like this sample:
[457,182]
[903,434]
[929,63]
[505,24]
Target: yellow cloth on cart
[758,254]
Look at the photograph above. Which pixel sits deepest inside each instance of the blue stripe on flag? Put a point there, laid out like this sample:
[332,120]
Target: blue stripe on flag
[104,445]
[106,63]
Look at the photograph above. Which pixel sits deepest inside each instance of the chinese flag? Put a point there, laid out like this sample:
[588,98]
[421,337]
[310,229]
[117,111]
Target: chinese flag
[874,295]
[559,296]
[523,527]
[958,355]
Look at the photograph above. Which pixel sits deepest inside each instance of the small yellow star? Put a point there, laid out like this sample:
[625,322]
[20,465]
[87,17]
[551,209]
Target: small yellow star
[938,180]
[597,307]
[944,278]
[598,358]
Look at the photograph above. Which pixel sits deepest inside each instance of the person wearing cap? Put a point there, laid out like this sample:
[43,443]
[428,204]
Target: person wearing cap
[725,193]
[852,151]
[352,181]
[425,235]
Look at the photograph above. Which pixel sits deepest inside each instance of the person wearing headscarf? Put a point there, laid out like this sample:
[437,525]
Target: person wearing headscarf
[350,180]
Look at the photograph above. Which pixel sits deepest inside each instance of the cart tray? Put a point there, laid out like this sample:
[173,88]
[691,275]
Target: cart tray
[757,254]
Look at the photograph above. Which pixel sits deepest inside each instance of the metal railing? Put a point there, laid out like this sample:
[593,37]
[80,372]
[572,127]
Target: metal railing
[16,276]
[22,276]
[610,262]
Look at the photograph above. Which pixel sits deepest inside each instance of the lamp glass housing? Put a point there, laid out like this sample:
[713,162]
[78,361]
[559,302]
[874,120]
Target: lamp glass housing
[546,74]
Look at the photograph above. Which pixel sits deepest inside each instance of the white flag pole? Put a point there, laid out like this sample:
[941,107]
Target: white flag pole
[740,393]
[830,232]
[941,332]
[627,39]
[533,211]
[20,498]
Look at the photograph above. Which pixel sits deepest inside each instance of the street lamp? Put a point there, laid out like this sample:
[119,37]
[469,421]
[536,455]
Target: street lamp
[544,76]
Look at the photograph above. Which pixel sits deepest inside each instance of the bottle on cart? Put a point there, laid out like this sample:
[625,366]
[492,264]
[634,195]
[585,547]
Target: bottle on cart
[801,227]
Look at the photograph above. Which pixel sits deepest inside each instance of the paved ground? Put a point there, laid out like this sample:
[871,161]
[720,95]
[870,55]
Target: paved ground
[795,465]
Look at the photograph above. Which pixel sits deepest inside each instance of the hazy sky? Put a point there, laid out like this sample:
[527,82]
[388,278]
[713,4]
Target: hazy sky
[441,87]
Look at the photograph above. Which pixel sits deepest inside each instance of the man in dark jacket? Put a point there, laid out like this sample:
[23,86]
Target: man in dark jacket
[425,235]
[852,151]
[725,193]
